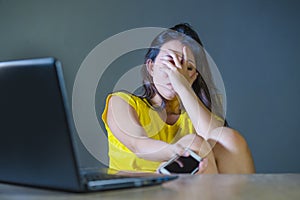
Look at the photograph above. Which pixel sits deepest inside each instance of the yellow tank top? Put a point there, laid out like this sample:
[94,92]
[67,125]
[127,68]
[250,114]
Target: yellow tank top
[120,157]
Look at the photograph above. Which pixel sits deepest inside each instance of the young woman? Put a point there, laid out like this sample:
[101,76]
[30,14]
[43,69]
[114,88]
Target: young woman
[176,111]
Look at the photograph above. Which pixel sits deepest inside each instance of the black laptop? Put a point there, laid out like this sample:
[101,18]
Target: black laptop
[37,133]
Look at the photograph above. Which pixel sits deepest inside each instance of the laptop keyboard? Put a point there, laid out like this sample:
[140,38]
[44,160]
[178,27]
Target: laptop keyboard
[102,181]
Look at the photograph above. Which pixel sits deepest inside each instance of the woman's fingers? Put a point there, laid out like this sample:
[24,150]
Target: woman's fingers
[167,61]
[179,163]
[179,150]
[193,78]
[174,56]
[203,166]
[179,62]
[168,64]
[172,63]
[185,56]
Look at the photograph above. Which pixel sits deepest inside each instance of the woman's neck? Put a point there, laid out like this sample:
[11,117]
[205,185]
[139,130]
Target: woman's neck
[171,106]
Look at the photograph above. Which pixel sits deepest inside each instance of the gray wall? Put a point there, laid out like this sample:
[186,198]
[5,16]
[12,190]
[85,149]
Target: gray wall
[254,43]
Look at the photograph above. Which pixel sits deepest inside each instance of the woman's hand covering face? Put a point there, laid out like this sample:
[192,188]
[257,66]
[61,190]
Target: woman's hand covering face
[180,69]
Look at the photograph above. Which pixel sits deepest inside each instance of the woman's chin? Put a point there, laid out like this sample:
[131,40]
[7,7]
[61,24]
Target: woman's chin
[168,95]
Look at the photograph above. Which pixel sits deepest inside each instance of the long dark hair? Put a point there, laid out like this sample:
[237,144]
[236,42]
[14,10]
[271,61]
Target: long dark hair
[185,33]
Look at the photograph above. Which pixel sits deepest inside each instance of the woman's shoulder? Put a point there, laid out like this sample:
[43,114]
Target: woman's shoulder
[128,97]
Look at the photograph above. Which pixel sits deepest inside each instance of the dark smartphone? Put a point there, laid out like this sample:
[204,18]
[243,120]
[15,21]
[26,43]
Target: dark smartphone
[181,164]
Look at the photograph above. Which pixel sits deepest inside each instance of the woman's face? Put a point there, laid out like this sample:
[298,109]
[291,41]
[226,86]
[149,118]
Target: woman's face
[160,78]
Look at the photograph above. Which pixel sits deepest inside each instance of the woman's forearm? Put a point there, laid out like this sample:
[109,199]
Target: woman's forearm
[154,150]
[201,117]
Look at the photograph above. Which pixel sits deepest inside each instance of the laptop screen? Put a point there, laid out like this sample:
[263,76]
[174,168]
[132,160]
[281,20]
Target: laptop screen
[35,144]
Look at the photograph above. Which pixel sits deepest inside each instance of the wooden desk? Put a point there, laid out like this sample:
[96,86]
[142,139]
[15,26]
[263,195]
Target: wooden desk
[257,186]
